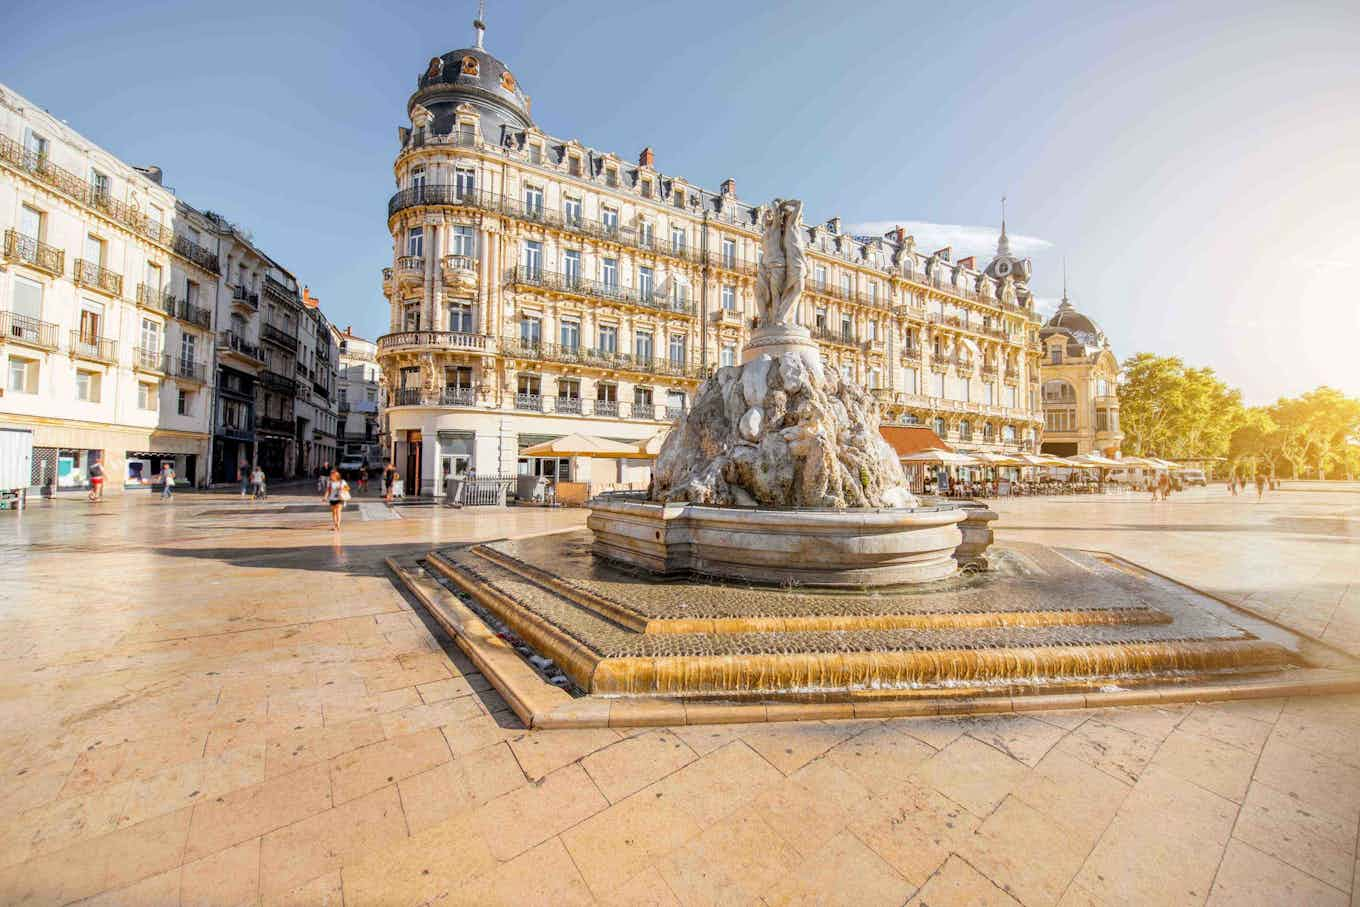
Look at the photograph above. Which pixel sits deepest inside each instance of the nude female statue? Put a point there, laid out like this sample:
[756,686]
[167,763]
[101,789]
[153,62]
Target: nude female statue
[783,264]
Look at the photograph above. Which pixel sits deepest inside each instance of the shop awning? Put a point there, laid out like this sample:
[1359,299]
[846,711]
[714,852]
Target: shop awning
[910,439]
[943,457]
[575,445]
[650,447]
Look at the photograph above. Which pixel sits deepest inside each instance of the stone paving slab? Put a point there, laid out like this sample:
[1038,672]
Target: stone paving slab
[209,646]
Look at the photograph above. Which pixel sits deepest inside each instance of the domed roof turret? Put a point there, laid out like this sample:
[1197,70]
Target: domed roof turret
[1076,326]
[471,75]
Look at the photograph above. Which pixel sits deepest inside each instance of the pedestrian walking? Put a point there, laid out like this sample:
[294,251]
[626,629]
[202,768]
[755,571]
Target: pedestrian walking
[337,495]
[388,470]
[1260,485]
[1241,483]
[323,475]
[257,485]
[1232,485]
[363,480]
[243,476]
[96,481]
[1164,486]
[390,479]
[167,482]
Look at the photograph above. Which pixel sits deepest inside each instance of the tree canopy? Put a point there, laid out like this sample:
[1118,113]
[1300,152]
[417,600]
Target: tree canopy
[1167,409]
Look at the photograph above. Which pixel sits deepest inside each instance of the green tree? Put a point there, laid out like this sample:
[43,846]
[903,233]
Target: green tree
[1169,410]
[1316,429]
[1255,445]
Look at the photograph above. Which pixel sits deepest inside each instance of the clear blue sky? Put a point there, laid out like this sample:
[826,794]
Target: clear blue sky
[1195,162]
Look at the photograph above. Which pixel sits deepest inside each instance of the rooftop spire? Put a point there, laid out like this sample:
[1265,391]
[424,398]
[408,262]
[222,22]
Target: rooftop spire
[1003,244]
[479,24]
[1064,299]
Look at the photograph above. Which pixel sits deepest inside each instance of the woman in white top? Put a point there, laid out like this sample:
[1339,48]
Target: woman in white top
[337,493]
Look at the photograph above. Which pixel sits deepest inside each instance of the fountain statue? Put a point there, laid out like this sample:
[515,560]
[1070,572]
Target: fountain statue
[820,495]
[779,430]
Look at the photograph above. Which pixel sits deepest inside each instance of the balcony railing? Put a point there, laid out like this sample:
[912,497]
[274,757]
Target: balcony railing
[244,296]
[188,369]
[89,346]
[593,358]
[164,301]
[603,231]
[829,335]
[278,337]
[579,286]
[277,424]
[409,263]
[730,263]
[41,168]
[28,250]
[89,274]
[23,329]
[279,383]
[150,360]
[279,290]
[460,263]
[230,341]
[445,340]
[187,248]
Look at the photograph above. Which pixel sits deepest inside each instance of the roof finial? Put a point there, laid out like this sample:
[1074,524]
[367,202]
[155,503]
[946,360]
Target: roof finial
[479,24]
[1003,244]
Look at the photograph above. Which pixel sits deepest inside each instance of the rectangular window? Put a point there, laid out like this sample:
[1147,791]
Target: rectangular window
[31,222]
[530,331]
[873,293]
[415,242]
[571,210]
[609,338]
[23,376]
[939,386]
[535,153]
[610,217]
[99,184]
[728,356]
[94,250]
[191,293]
[646,282]
[677,349]
[729,252]
[819,273]
[909,380]
[569,388]
[574,165]
[153,278]
[642,397]
[646,188]
[533,200]
[460,318]
[609,274]
[151,336]
[678,198]
[28,298]
[570,335]
[418,178]
[571,265]
[183,403]
[989,394]
[458,377]
[645,233]
[846,283]
[729,298]
[463,241]
[188,349]
[36,144]
[678,238]
[464,181]
[642,346]
[533,257]
[147,397]
[87,386]
[1055,355]
[410,319]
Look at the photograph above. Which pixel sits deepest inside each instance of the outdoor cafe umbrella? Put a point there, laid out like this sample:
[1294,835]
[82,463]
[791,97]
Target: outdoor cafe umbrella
[651,447]
[941,457]
[575,445]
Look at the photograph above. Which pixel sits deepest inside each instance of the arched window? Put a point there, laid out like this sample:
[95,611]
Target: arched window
[940,428]
[1058,391]
[966,430]
[1008,434]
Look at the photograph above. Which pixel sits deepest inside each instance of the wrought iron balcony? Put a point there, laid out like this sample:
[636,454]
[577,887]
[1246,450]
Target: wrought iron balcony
[90,346]
[730,263]
[276,424]
[243,296]
[278,383]
[232,342]
[28,250]
[593,358]
[149,360]
[89,274]
[279,290]
[458,396]
[911,355]
[573,285]
[443,340]
[278,337]
[187,248]
[187,369]
[829,335]
[16,328]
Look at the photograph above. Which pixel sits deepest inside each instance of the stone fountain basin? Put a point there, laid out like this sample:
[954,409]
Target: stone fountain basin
[835,548]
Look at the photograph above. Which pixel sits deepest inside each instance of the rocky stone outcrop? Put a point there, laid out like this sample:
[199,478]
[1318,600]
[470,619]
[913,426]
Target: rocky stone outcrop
[774,433]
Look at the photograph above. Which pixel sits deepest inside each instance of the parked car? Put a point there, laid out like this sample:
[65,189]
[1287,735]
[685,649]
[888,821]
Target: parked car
[1193,477]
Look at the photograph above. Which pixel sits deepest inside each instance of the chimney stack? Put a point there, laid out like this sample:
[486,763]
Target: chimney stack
[647,158]
[728,186]
[970,262]
[899,234]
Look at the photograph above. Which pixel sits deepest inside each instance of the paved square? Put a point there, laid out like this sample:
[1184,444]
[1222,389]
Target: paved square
[213,702]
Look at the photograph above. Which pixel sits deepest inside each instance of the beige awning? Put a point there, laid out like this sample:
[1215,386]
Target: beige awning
[944,457]
[651,447]
[575,445]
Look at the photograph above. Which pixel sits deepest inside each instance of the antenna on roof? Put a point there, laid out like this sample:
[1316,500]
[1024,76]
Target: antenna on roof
[479,24]
[1064,299]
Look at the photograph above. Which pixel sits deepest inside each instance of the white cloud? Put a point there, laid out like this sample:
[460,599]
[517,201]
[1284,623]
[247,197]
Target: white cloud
[965,239]
[1046,305]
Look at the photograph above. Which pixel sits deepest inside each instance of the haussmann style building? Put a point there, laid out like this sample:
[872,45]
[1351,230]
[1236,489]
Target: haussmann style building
[540,287]
[1080,377]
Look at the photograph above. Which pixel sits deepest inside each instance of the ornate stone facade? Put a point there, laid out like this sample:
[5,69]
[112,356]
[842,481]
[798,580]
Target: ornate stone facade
[1080,378]
[540,287]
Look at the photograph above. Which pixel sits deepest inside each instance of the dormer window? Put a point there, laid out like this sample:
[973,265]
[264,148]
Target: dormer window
[574,165]
[646,188]
[678,198]
[535,153]
[611,176]
[1055,355]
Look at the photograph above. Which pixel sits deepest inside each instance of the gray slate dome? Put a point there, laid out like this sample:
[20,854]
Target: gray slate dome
[1068,321]
[471,75]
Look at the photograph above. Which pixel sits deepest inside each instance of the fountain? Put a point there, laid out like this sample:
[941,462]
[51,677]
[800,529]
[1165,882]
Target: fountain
[778,473]
[779,567]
